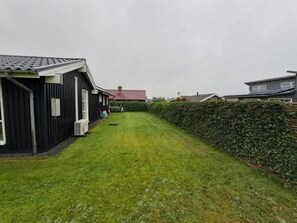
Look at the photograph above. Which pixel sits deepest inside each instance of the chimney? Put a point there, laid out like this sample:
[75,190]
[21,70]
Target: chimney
[197,93]
[120,88]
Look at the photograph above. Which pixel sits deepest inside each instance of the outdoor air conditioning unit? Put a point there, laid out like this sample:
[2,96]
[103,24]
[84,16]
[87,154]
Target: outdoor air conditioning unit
[81,127]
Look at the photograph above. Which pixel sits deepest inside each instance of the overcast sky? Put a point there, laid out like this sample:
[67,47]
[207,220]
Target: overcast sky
[162,46]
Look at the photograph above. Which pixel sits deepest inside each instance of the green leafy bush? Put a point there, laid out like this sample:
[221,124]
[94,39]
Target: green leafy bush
[259,132]
[135,106]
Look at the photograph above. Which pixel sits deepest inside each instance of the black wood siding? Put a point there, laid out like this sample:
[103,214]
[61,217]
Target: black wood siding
[50,131]
[105,98]
[60,128]
[17,115]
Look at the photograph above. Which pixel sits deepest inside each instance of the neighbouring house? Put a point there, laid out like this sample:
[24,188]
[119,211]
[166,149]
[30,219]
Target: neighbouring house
[277,88]
[126,95]
[103,99]
[202,97]
[43,101]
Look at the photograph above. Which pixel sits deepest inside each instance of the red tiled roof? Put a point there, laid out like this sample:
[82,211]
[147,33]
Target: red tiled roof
[132,95]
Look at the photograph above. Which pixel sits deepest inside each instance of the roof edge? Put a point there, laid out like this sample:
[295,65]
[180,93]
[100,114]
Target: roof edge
[270,79]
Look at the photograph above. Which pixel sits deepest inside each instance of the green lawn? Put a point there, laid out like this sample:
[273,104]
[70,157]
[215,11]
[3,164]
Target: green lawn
[143,170]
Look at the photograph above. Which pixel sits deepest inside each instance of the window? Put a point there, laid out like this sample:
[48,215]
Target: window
[287,84]
[56,108]
[2,124]
[100,98]
[107,100]
[286,100]
[85,105]
[103,100]
[259,87]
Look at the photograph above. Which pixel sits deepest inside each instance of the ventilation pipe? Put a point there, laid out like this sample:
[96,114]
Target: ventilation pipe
[32,115]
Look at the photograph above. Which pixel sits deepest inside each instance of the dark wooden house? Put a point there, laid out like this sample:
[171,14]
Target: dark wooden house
[43,101]
[103,96]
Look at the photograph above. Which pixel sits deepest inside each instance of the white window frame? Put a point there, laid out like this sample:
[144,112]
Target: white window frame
[85,113]
[2,120]
[259,87]
[107,100]
[286,100]
[287,84]
[56,107]
[103,100]
[100,97]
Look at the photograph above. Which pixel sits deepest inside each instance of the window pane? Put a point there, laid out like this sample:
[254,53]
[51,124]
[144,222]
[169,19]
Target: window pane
[84,95]
[84,115]
[260,87]
[288,84]
[84,106]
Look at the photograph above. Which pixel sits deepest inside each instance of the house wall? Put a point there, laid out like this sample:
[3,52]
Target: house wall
[94,110]
[50,130]
[214,98]
[272,85]
[104,106]
[17,115]
[289,96]
[60,128]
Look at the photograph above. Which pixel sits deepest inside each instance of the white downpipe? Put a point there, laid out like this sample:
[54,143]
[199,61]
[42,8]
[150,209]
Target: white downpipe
[32,114]
[76,98]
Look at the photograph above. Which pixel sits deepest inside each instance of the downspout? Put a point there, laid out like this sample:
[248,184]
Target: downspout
[32,115]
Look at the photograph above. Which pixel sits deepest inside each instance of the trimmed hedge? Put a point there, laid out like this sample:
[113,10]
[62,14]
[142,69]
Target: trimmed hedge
[259,132]
[135,106]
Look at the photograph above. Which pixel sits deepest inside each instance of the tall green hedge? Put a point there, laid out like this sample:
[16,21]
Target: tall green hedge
[259,132]
[131,105]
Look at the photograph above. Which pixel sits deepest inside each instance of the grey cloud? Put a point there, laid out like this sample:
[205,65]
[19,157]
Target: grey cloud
[161,46]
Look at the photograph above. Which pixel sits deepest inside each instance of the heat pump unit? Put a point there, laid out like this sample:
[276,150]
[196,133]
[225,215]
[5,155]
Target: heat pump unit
[81,127]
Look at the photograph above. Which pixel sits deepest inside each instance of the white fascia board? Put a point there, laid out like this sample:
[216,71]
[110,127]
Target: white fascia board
[83,69]
[100,88]
[81,66]
[90,77]
[62,69]
[210,97]
[20,75]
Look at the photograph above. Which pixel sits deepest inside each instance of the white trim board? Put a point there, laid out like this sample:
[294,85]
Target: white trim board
[2,142]
[210,97]
[61,69]
[81,66]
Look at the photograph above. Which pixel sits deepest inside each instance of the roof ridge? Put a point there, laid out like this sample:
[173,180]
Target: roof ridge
[271,79]
[42,57]
[123,90]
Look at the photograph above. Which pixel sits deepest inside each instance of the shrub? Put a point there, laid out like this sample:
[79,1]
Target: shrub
[135,106]
[259,132]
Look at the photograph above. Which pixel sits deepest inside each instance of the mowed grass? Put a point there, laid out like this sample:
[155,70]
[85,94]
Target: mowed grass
[143,170]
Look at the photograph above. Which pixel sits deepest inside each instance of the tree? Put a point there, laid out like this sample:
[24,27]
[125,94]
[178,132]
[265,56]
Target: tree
[158,99]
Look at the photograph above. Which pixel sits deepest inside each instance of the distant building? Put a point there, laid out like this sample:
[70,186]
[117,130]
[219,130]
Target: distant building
[278,88]
[202,97]
[126,95]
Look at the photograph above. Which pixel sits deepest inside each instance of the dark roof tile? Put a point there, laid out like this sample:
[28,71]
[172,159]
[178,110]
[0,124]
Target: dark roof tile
[31,63]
